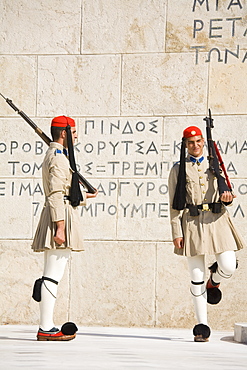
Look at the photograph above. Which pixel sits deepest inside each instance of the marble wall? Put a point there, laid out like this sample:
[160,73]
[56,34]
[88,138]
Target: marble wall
[133,74]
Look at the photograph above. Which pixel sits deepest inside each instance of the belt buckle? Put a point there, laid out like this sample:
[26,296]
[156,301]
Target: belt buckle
[205,207]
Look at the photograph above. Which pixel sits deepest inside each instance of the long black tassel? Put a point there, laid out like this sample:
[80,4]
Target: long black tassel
[179,199]
[75,195]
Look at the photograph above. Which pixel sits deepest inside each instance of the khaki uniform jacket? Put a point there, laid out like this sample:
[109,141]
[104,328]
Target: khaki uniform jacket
[208,233]
[57,175]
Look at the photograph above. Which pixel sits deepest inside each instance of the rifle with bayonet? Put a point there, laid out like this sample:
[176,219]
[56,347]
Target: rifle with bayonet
[47,140]
[215,160]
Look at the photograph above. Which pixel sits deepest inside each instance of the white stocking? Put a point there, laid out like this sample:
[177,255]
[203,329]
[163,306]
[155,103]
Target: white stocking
[197,273]
[226,266]
[55,261]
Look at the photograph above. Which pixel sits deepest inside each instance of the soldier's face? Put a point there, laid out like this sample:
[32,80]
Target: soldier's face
[195,145]
[73,134]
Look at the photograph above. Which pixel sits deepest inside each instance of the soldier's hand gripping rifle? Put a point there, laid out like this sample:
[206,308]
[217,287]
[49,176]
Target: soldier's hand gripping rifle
[47,140]
[215,160]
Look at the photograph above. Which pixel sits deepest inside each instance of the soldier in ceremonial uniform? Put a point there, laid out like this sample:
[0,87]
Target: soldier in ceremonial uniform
[59,230]
[202,227]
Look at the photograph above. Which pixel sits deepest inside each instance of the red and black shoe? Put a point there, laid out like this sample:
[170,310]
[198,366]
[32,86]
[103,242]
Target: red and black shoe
[67,332]
[214,294]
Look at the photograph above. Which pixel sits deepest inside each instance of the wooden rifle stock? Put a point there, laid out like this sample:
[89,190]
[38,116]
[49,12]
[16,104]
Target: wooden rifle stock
[213,158]
[47,140]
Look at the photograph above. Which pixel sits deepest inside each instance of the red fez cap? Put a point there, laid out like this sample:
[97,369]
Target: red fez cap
[191,131]
[62,121]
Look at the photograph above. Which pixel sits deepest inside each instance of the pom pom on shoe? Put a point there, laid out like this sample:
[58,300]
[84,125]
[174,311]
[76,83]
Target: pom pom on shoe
[201,333]
[214,295]
[69,328]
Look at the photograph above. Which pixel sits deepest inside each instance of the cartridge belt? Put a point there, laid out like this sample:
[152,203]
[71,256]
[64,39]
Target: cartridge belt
[194,209]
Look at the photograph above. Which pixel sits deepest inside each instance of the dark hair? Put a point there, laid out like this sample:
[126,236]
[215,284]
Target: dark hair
[55,132]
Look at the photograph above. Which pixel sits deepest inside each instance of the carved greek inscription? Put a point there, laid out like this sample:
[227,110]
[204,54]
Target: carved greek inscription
[127,160]
[220,28]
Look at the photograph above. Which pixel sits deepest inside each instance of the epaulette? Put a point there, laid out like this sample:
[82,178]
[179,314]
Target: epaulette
[58,151]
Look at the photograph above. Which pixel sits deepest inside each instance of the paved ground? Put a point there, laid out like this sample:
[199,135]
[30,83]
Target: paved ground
[120,348]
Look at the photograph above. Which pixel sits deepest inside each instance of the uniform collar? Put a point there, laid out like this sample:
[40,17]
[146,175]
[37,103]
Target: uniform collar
[196,159]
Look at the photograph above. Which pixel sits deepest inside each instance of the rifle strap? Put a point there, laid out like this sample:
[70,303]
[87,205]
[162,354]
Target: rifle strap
[222,165]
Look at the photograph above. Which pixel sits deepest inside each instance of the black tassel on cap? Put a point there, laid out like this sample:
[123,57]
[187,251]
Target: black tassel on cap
[179,199]
[75,195]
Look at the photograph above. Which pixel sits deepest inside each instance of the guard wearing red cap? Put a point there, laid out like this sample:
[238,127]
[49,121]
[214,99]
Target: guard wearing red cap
[201,226]
[59,229]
